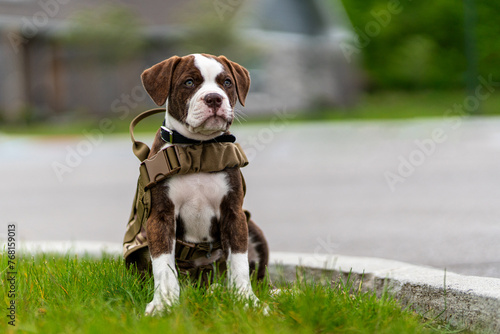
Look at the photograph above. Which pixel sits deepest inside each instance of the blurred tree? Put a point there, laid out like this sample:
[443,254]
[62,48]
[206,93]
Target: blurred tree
[487,37]
[422,46]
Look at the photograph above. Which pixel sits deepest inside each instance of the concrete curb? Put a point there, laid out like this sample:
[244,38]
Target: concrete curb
[463,301]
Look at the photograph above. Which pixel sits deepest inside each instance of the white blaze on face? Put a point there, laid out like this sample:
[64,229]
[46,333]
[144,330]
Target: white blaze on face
[201,118]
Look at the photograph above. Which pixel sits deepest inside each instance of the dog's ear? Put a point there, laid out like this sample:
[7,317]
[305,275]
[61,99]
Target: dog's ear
[157,79]
[241,78]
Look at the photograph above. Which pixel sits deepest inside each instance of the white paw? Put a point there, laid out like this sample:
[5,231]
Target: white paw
[275,292]
[159,305]
[153,309]
[257,304]
[253,301]
[246,293]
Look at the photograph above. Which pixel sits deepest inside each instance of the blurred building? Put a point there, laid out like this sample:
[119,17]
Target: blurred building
[61,56]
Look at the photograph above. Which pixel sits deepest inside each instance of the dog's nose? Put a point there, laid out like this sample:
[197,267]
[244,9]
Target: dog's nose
[213,100]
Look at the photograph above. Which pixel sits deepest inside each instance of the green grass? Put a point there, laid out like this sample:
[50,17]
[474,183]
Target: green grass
[67,294]
[381,105]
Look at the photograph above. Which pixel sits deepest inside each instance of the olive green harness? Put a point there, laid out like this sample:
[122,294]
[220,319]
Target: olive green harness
[173,160]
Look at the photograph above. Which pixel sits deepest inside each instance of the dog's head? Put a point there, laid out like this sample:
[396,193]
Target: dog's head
[200,92]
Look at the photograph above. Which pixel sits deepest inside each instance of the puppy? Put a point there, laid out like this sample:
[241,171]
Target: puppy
[200,92]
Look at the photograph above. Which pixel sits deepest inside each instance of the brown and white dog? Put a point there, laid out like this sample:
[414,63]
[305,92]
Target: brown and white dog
[200,92]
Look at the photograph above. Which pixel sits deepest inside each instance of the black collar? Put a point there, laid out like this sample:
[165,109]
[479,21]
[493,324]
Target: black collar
[174,137]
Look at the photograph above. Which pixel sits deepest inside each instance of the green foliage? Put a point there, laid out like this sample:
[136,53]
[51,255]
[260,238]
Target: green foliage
[421,44]
[488,42]
[68,294]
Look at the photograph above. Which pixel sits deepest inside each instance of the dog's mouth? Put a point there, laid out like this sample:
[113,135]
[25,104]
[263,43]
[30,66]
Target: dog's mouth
[216,122]
[212,125]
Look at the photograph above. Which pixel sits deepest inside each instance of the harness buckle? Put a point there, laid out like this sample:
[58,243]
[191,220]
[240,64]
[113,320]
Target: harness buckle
[161,165]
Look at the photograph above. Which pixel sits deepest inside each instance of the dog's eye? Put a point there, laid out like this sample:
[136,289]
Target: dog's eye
[189,83]
[227,83]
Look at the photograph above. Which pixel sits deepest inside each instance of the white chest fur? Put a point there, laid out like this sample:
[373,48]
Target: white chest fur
[197,198]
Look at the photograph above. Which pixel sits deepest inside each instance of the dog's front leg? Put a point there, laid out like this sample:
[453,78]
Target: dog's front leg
[161,239]
[239,268]
[234,233]
[239,276]
[166,284]
[236,238]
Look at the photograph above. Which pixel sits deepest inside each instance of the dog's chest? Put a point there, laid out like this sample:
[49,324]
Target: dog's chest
[197,198]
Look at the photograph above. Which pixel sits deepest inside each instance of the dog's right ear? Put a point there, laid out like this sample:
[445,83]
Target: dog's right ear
[157,79]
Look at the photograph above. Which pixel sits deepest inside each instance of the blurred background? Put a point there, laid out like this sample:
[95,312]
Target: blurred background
[62,62]
[65,61]
[371,124]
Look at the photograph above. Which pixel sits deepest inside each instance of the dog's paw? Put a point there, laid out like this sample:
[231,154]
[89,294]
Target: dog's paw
[158,306]
[275,292]
[258,305]
[153,309]
[252,301]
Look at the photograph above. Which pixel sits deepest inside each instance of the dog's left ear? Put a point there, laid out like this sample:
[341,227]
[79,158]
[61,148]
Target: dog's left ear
[241,78]
[157,79]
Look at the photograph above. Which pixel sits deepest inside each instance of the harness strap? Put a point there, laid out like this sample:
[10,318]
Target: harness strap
[187,254]
[186,250]
[192,259]
[140,149]
[202,157]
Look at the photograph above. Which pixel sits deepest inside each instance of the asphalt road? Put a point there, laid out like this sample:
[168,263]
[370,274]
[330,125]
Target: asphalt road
[422,191]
